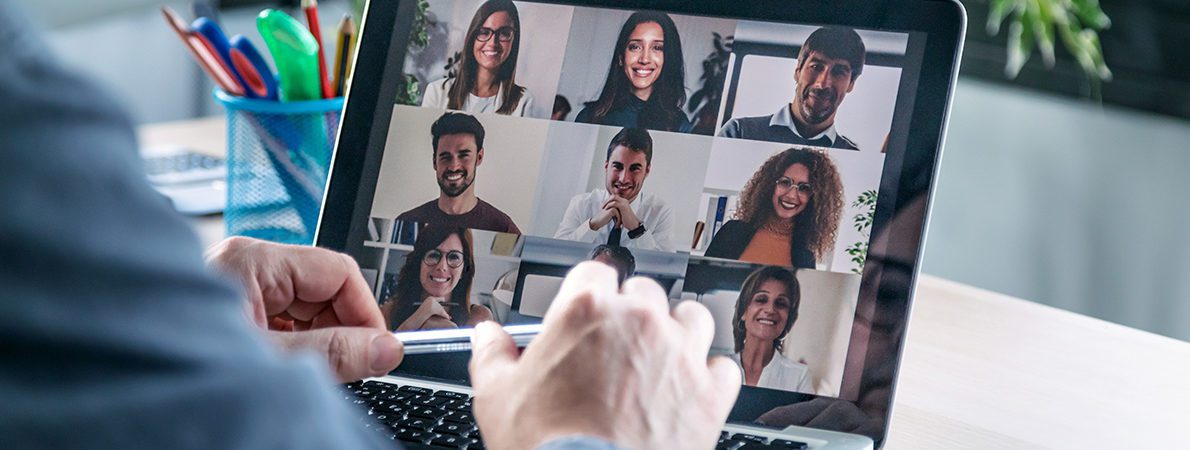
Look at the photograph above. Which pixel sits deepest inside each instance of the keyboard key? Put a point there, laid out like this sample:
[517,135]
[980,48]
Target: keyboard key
[459,416]
[728,444]
[435,402]
[418,436]
[475,445]
[429,413]
[786,443]
[457,405]
[759,446]
[391,408]
[750,438]
[416,423]
[449,394]
[415,390]
[454,428]
[450,441]
[379,385]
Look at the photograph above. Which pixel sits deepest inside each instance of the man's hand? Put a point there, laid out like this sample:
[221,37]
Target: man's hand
[601,219]
[317,292]
[624,213]
[617,365]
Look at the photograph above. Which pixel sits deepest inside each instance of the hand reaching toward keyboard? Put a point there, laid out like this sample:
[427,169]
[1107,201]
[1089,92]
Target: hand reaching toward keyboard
[311,299]
[613,363]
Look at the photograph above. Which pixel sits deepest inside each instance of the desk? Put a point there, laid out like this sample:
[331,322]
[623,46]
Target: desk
[981,369]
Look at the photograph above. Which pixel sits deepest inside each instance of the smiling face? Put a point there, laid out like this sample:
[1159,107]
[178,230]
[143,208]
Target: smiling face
[490,55]
[625,171]
[644,57]
[791,192]
[455,162]
[438,280]
[768,310]
[822,82]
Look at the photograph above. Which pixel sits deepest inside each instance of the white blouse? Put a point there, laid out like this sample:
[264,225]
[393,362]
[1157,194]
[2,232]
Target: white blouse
[437,96]
[781,373]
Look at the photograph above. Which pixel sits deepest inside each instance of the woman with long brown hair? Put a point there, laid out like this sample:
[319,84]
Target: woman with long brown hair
[788,214]
[486,78]
[434,286]
[645,85]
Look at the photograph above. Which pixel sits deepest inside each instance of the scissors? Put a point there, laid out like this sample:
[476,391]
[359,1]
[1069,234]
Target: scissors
[250,70]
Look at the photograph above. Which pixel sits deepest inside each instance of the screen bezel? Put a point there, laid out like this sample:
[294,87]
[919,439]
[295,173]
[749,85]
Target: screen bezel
[908,179]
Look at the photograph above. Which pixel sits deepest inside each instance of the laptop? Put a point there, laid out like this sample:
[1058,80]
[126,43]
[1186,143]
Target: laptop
[773,160]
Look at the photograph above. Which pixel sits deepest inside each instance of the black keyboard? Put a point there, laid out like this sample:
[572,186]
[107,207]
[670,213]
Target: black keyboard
[424,418]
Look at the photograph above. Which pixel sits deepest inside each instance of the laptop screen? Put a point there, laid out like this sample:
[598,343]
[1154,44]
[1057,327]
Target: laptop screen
[740,164]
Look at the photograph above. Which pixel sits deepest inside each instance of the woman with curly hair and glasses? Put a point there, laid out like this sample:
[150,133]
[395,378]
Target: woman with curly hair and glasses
[486,80]
[764,314]
[434,286]
[788,213]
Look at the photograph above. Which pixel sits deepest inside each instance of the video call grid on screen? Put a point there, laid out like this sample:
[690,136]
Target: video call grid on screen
[743,115]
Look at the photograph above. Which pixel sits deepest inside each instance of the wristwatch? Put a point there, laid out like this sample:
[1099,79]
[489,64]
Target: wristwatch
[637,232]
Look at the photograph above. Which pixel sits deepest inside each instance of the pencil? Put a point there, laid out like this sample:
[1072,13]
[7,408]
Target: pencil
[311,9]
[343,54]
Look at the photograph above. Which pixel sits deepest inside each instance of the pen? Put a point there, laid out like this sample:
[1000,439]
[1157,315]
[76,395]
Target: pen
[204,55]
[311,9]
[343,53]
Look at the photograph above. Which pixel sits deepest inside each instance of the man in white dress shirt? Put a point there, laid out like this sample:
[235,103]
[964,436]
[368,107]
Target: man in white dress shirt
[619,213]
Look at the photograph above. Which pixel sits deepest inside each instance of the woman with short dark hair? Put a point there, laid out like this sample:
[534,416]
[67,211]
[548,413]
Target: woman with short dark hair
[765,312]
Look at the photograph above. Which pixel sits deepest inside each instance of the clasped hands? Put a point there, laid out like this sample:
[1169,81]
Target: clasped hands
[615,208]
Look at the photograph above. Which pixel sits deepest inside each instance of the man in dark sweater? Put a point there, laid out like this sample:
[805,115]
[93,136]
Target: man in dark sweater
[458,152]
[828,64]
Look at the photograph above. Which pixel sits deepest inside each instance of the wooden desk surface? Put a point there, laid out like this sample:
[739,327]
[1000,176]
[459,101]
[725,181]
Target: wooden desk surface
[981,370]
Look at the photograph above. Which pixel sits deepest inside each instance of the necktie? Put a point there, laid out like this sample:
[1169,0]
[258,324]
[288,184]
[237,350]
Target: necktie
[613,239]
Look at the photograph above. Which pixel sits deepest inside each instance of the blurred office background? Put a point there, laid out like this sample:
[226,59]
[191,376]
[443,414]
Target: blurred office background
[1044,194]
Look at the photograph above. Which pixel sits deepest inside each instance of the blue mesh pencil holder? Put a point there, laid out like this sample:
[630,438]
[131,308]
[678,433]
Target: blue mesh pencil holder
[278,154]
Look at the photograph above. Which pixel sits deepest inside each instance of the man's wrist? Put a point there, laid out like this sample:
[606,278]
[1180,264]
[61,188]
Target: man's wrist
[637,232]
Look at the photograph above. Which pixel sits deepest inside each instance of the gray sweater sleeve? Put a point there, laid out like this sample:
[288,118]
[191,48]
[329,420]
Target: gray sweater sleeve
[113,333]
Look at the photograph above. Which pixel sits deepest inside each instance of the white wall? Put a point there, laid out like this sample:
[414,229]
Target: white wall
[563,174]
[593,36]
[543,38]
[820,336]
[734,161]
[512,148]
[1066,203]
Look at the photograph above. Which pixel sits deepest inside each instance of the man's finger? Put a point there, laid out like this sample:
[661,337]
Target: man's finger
[593,277]
[492,349]
[352,353]
[725,380]
[698,325]
[641,291]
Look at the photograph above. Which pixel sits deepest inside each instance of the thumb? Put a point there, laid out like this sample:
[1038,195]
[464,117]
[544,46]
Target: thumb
[492,350]
[353,353]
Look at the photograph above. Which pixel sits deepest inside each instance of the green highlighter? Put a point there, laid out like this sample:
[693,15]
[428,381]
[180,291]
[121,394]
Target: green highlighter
[295,52]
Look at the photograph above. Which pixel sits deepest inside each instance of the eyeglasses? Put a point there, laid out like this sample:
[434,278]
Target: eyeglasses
[454,258]
[784,184]
[504,34]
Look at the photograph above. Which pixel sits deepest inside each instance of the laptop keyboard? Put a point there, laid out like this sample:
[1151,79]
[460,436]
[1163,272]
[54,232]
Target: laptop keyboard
[419,418]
